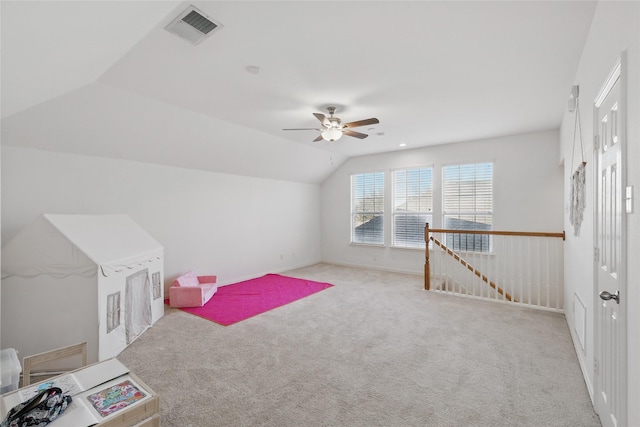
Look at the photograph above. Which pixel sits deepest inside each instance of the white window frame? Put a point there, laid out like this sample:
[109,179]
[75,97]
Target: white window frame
[371,203]
[157,288]
[113,311]
[415,205]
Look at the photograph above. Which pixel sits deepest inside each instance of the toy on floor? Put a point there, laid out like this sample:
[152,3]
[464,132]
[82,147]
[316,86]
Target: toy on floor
[191,290]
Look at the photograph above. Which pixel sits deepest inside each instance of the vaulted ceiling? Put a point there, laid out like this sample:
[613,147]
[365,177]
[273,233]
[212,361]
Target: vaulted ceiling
[104,78]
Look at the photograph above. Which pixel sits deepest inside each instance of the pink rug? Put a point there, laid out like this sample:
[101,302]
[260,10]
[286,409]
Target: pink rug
[242,300]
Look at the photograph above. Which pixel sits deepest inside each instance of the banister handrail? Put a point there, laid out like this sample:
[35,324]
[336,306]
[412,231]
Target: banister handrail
[501,233]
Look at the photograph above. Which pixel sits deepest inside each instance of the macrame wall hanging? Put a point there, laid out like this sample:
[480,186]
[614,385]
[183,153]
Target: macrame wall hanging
[578,178]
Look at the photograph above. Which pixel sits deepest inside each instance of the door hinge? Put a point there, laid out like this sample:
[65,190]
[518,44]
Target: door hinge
[596,142]
[596,369]
[596,254]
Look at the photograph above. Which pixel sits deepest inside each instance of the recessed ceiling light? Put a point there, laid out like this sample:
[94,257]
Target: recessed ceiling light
[403,145]
[253,69]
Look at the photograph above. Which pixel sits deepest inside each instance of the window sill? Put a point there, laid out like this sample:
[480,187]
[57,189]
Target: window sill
[370,245]
[407,248]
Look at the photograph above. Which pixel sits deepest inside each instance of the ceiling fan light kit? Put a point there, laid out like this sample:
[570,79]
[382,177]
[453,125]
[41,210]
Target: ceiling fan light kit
[331,134]
[333,128]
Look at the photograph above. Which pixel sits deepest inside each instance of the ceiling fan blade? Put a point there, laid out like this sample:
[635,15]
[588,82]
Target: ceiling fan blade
[323,119]
[320,130]
[354,134]
[365,122]
[319,138]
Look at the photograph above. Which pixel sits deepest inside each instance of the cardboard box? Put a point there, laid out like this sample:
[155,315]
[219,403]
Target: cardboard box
[10,369]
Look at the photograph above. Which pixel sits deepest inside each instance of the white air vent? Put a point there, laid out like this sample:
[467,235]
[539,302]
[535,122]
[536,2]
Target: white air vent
[193,25]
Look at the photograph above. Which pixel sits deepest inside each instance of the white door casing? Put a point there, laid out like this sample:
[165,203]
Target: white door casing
[610,366]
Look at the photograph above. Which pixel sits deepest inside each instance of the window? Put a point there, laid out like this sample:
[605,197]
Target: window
[412,206]
[157,289]
[468,205]
[367,208]
[113,311]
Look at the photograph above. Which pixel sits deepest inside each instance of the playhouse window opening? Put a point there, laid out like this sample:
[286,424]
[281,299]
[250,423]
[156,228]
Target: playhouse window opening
[157,291]
[113,311]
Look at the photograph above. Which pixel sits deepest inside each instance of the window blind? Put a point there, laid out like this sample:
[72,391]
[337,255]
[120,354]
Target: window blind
[468,204]
[367,208]
[412,206]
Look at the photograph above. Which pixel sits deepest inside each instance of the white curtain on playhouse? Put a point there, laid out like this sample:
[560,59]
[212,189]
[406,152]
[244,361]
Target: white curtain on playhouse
[138,305]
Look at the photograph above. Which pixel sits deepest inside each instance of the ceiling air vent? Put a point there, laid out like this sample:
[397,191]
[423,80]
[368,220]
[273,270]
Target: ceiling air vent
[193,25]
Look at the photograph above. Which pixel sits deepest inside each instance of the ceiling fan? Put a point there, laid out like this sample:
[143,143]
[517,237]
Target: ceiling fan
[332,127]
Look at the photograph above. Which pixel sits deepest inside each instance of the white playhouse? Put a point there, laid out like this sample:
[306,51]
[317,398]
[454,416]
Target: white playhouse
[73,278]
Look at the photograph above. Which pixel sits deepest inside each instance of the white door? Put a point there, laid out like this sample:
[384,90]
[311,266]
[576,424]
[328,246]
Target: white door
[610,315]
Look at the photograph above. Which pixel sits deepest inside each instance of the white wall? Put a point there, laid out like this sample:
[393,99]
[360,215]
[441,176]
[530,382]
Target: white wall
[233,226]
[615,27]
[527,193]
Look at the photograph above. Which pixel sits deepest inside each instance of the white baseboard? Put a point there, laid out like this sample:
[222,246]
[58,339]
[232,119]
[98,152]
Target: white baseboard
[581,360]
[374,267]
[260,274]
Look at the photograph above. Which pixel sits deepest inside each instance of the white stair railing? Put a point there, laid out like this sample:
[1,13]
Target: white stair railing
[523,268]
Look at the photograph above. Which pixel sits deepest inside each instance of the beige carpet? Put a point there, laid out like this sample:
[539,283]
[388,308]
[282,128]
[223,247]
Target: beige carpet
[374,350]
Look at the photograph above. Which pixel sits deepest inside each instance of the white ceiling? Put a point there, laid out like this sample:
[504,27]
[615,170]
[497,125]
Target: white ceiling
[105,78]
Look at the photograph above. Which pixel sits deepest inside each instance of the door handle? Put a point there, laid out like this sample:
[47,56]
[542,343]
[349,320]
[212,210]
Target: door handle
[607,296]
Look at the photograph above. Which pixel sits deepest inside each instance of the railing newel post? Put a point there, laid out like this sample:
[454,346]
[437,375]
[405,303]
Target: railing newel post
[427,268]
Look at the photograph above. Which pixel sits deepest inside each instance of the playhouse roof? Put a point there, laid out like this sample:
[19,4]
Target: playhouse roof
[78,245]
